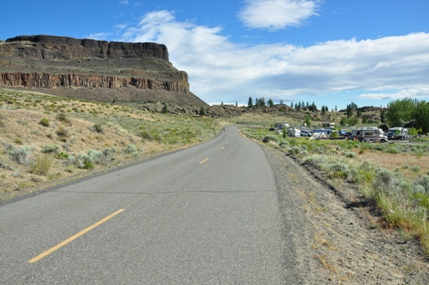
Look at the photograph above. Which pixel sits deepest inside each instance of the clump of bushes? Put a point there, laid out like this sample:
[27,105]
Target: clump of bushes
[44,122]
[269,138]
[131,149]
[50,148]
[97,128]
[20,155]
[349,154]
[298,150]
[63,118]
[62,132]
[42,165]
[93,157]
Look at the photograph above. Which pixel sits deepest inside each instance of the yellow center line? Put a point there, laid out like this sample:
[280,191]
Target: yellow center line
[70,239]
[204,160]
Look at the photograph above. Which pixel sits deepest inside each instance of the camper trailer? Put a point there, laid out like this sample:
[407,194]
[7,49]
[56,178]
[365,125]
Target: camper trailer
[293,132]
[369,134]
[398,133]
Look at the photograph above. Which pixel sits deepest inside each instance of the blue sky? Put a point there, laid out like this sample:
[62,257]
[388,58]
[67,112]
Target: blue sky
[330,52]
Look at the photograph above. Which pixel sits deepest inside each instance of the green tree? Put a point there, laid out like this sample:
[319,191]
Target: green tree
[270,103]
[421,116]
[307,120]
[250,102]
[350,109]
[202,111]
[400,111]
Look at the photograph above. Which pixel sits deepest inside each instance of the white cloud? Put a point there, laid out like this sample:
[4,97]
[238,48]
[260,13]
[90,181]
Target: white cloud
[415,92]
[221,70]
[277,14]
[123,2]
[121,26]
[98,36]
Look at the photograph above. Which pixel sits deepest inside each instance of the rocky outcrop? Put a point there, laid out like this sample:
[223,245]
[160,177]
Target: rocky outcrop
[95,70]
[64,48]
[46,80]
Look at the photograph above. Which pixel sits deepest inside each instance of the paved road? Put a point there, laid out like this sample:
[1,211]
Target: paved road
[205,215]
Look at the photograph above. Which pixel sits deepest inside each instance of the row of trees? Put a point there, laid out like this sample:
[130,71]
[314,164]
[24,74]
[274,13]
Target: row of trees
[408,112]
[260,102]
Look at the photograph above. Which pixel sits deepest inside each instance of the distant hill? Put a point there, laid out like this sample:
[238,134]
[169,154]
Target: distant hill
[94,70]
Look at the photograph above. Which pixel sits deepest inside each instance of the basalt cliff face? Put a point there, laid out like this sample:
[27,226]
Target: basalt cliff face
[94,70]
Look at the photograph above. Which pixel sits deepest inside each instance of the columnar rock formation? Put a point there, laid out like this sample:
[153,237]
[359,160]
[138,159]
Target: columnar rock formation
[96,70]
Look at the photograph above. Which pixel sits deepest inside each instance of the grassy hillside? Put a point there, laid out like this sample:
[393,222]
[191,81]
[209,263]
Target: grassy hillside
[45,139]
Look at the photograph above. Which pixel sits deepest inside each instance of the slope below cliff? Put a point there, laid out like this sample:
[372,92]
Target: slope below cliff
[94,70]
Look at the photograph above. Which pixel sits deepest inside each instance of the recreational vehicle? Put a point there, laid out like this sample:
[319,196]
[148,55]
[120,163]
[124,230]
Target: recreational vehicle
[398,133]
[293,132]
[369,134]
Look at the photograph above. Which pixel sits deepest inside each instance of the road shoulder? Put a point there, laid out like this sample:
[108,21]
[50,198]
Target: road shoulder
[339,239]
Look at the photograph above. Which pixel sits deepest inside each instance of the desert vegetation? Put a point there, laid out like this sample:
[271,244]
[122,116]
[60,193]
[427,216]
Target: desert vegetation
[47,139]
[392,177]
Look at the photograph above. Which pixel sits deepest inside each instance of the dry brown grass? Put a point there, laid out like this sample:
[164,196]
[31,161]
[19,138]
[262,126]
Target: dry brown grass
[77,127]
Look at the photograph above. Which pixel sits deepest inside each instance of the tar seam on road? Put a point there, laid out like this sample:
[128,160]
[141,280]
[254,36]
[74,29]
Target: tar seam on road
[70,239]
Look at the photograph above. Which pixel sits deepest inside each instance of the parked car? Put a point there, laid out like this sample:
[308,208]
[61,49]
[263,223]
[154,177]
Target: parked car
[305,133]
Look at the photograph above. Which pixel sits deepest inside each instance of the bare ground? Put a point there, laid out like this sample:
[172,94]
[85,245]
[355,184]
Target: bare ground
[340,238]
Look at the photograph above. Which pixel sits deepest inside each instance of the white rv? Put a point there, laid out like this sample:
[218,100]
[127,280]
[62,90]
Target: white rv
[293,132]
[369,134]
[398,133]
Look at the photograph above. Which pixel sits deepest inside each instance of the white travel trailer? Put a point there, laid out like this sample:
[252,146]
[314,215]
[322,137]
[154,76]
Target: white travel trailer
[293,132]
[369,134]
[398,133]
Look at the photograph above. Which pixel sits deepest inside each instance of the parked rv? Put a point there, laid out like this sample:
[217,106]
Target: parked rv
[369,134]
[293,132]
[398,133]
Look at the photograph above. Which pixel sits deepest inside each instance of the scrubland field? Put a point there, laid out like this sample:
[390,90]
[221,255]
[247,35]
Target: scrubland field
[46,140]
[392,176]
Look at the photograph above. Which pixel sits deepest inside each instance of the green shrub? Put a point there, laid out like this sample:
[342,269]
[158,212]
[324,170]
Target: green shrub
[44,122]
[317,160]
[89,165]
[423,181]
[415,168]
[42,165]
[131,149]
[349,154]
[339,170]
[298,151]
[63,117]
[98,128]
[50,148]
[61,155]
[20,155]
[62,132]
[270,138]
[284,144]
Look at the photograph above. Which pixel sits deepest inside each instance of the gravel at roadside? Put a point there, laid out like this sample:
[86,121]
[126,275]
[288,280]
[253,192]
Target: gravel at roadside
[339,238]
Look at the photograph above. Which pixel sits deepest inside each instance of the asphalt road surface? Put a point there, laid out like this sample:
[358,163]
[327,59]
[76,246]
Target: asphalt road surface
[205,215]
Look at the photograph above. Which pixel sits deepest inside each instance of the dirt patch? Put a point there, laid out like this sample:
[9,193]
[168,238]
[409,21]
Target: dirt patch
[344,240]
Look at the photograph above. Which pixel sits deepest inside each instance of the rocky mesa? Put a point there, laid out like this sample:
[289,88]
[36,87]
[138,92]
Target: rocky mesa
[94,70]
